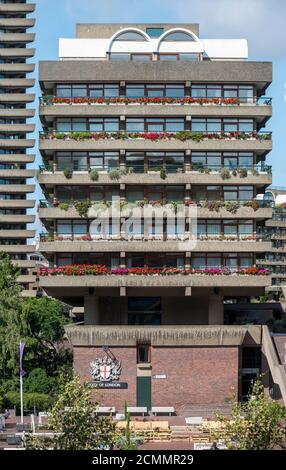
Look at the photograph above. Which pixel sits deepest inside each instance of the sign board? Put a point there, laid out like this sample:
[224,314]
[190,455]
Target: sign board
[105,385]
[161,376]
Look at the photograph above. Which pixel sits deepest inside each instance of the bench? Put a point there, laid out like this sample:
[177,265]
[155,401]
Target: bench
[105,410]
[137,410]
[164,410]
[194,421]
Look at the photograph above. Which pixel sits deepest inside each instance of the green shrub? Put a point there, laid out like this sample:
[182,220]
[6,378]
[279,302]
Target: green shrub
[83,208]
[68,173]
[163,173]
[243,172]
[93,174]
[39,382]
[225,173]
[114,174]
[64,206]
[41,401]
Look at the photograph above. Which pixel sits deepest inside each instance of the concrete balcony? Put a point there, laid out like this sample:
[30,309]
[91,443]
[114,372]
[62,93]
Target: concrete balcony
[16,52]
[26,68]
[191,280]
[17,188]
[17,204]
[255,145]
[17,97]
[28,294]
[16,128]
[17,233]
[51,213]
[47,113]
[26,279]
[17,8]
[24,263]
[18,218]
[17,113]
[164,335]
[17,173]
[17,37]
[153,178]
[17,82]
[20,249]
[275,223]
[17,158]
[17,143]
[137,246]
[15,23]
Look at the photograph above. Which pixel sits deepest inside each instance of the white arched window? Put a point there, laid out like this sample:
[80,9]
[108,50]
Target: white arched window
[130,35]
[178,36]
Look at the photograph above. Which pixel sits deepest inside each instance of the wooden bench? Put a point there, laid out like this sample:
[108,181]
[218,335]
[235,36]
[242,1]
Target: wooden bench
[164,410]
[135,410]
[105,410]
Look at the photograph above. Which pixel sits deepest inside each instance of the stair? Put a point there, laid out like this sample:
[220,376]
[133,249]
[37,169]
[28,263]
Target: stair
[180,433]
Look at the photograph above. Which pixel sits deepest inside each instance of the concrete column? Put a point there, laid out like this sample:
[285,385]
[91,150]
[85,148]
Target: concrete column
[91,310]
[216,310]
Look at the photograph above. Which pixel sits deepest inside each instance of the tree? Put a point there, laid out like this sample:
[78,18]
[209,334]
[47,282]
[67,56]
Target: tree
[257,425]
[10,320]
[74,422]
[40,324]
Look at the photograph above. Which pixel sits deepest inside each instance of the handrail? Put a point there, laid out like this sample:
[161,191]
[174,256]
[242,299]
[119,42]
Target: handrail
[48,100]
[277,370]
[179,168]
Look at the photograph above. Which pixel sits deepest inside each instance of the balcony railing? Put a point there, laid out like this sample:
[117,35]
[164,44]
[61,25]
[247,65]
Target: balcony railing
[234,170]
[49,100]
[122,236]
[101,270]
[213,206]
[156,136]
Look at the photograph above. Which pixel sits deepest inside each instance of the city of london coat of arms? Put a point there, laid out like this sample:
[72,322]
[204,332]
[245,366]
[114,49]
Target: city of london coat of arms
[105,369]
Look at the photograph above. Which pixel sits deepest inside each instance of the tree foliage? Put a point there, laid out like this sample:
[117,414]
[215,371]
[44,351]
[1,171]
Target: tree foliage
[40,324]
[259,424]
[74,422]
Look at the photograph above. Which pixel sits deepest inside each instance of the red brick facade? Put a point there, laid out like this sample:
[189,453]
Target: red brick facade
[83,356]
[194,375]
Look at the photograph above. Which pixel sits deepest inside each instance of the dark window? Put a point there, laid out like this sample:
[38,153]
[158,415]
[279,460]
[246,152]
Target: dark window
[154,32]
[144,310]
[143,353]
[251,358]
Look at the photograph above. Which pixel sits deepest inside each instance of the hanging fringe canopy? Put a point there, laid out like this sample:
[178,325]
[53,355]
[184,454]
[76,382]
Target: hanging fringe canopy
[125,335]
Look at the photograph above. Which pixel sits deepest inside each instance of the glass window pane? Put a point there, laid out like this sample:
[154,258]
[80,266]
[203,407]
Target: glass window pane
[134,125]
[135,91]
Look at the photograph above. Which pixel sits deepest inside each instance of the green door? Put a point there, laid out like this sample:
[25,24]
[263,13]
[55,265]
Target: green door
[144,392]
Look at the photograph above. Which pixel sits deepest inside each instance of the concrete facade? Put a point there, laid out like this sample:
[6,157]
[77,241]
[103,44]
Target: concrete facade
[178,317]
[14,157]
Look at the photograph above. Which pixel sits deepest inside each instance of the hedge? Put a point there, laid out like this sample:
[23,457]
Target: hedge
[41,401]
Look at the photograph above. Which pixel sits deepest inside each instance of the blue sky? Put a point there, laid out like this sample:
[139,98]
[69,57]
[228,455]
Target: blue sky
[261,22]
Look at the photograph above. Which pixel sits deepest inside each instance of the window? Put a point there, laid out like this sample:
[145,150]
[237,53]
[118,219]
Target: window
[225,125]
[84,125]
[130,36]
[154,32]
[133,57]
[154,90]
[99,90]
[243,93]
[143,353]
[178,36]
[155,124]
[218,260]
[144,310]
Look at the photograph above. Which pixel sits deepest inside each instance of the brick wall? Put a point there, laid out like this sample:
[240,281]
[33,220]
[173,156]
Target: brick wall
[108,397]
[195,375]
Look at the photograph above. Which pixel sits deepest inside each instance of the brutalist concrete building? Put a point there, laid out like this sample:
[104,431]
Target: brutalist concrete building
[151,115]
[16,72]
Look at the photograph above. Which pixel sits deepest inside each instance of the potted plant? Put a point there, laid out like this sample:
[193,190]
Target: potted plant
[68,172]
[93,174]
